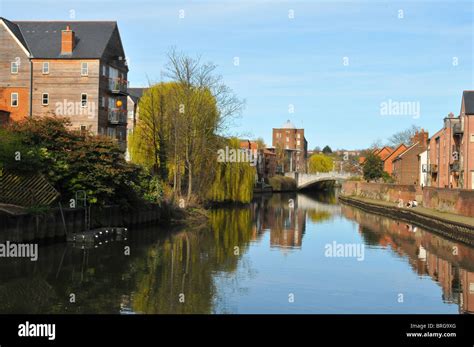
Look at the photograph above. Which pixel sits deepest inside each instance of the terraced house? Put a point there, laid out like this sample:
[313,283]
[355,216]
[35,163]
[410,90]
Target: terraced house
[74,69]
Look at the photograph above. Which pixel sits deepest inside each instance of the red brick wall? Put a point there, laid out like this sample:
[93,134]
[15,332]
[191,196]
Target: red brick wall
[458,201]
[379,191]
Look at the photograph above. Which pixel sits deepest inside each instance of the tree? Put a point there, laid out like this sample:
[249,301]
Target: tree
[327,150]
[73,161]
[404,136]
[373,167]
[181,125]
[233,181]
[260,143]
[320,163]
[206,107]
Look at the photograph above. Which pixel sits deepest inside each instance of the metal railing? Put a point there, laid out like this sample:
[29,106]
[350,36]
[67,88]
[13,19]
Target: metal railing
[118,85]
[117,116]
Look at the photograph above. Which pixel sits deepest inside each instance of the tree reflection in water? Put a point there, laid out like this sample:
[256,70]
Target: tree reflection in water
[174,271]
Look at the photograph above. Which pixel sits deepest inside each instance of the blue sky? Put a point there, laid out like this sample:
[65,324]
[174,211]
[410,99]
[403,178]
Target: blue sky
[336,62]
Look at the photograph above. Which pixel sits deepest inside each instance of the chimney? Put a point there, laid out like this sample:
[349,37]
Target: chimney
[67,41]
[421,137]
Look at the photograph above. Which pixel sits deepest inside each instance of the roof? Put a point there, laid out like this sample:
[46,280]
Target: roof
[288,125]
[136,92]
[395,150]
[43,38]
[406,151]
[468,99]
[15,31]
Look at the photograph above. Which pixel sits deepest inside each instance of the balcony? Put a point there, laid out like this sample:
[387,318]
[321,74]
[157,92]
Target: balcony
[117,116]
[455,167]
[458,129]
[118,85]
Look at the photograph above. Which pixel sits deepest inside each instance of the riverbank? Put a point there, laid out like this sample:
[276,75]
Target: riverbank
[54,224]
[456,227]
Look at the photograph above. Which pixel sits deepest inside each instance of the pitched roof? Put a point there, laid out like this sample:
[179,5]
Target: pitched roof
[136,92]
[415,145]
[43,38]
[396,149]
[468,98]
[15,30]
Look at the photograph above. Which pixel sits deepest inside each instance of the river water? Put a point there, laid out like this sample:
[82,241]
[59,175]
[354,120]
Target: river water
[285,253]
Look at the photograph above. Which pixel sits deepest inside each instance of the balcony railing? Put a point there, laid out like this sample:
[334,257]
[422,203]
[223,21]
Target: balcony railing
[118,85]
[117,116]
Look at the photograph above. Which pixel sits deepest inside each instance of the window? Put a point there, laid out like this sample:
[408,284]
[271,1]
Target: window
[104,70]
[14,100]
[287,139]
[472,138]
[298,142]
[111,132]
[14,67]
[83,129]
[45,99]
[45,68]
[298,135]
[84,69]
[84,100]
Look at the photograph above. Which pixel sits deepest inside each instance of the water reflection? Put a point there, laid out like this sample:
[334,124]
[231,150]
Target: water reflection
[226,265]
[449,263]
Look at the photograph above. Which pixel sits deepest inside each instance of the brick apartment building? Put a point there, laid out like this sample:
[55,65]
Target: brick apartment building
[70,69]
[451,149]
[406,166]
[266,162]
[292,143]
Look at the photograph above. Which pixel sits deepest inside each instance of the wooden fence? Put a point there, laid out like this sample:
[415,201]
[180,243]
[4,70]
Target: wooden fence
[26,190]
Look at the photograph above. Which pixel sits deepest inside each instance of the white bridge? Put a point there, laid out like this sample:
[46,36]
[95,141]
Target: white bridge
[304,180]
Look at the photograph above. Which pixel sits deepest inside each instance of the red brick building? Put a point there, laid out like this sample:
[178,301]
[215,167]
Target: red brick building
[388,161]
[291,142]
[451,149]
[406,166]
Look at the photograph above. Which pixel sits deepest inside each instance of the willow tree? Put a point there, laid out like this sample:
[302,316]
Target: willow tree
[206,108]
[233,181]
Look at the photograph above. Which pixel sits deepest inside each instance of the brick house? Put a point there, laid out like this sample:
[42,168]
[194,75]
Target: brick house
[406,166]
[388,161]
[292,143]
[451,149]
[73,69]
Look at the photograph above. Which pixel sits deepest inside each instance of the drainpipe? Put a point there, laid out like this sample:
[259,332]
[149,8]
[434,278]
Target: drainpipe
[31,88]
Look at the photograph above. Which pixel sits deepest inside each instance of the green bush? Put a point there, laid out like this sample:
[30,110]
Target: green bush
[282,183]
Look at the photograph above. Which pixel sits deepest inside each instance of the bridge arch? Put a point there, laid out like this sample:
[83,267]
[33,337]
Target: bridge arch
[304,180]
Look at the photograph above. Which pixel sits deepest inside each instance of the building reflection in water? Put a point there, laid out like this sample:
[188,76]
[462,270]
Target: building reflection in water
[285,216]
[449,263]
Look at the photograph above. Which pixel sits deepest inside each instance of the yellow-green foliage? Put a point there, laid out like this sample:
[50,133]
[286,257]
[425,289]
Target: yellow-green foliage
[320,163]
[282,183]
[233,181]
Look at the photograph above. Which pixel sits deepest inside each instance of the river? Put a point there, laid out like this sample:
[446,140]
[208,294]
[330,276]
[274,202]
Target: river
[285,253]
